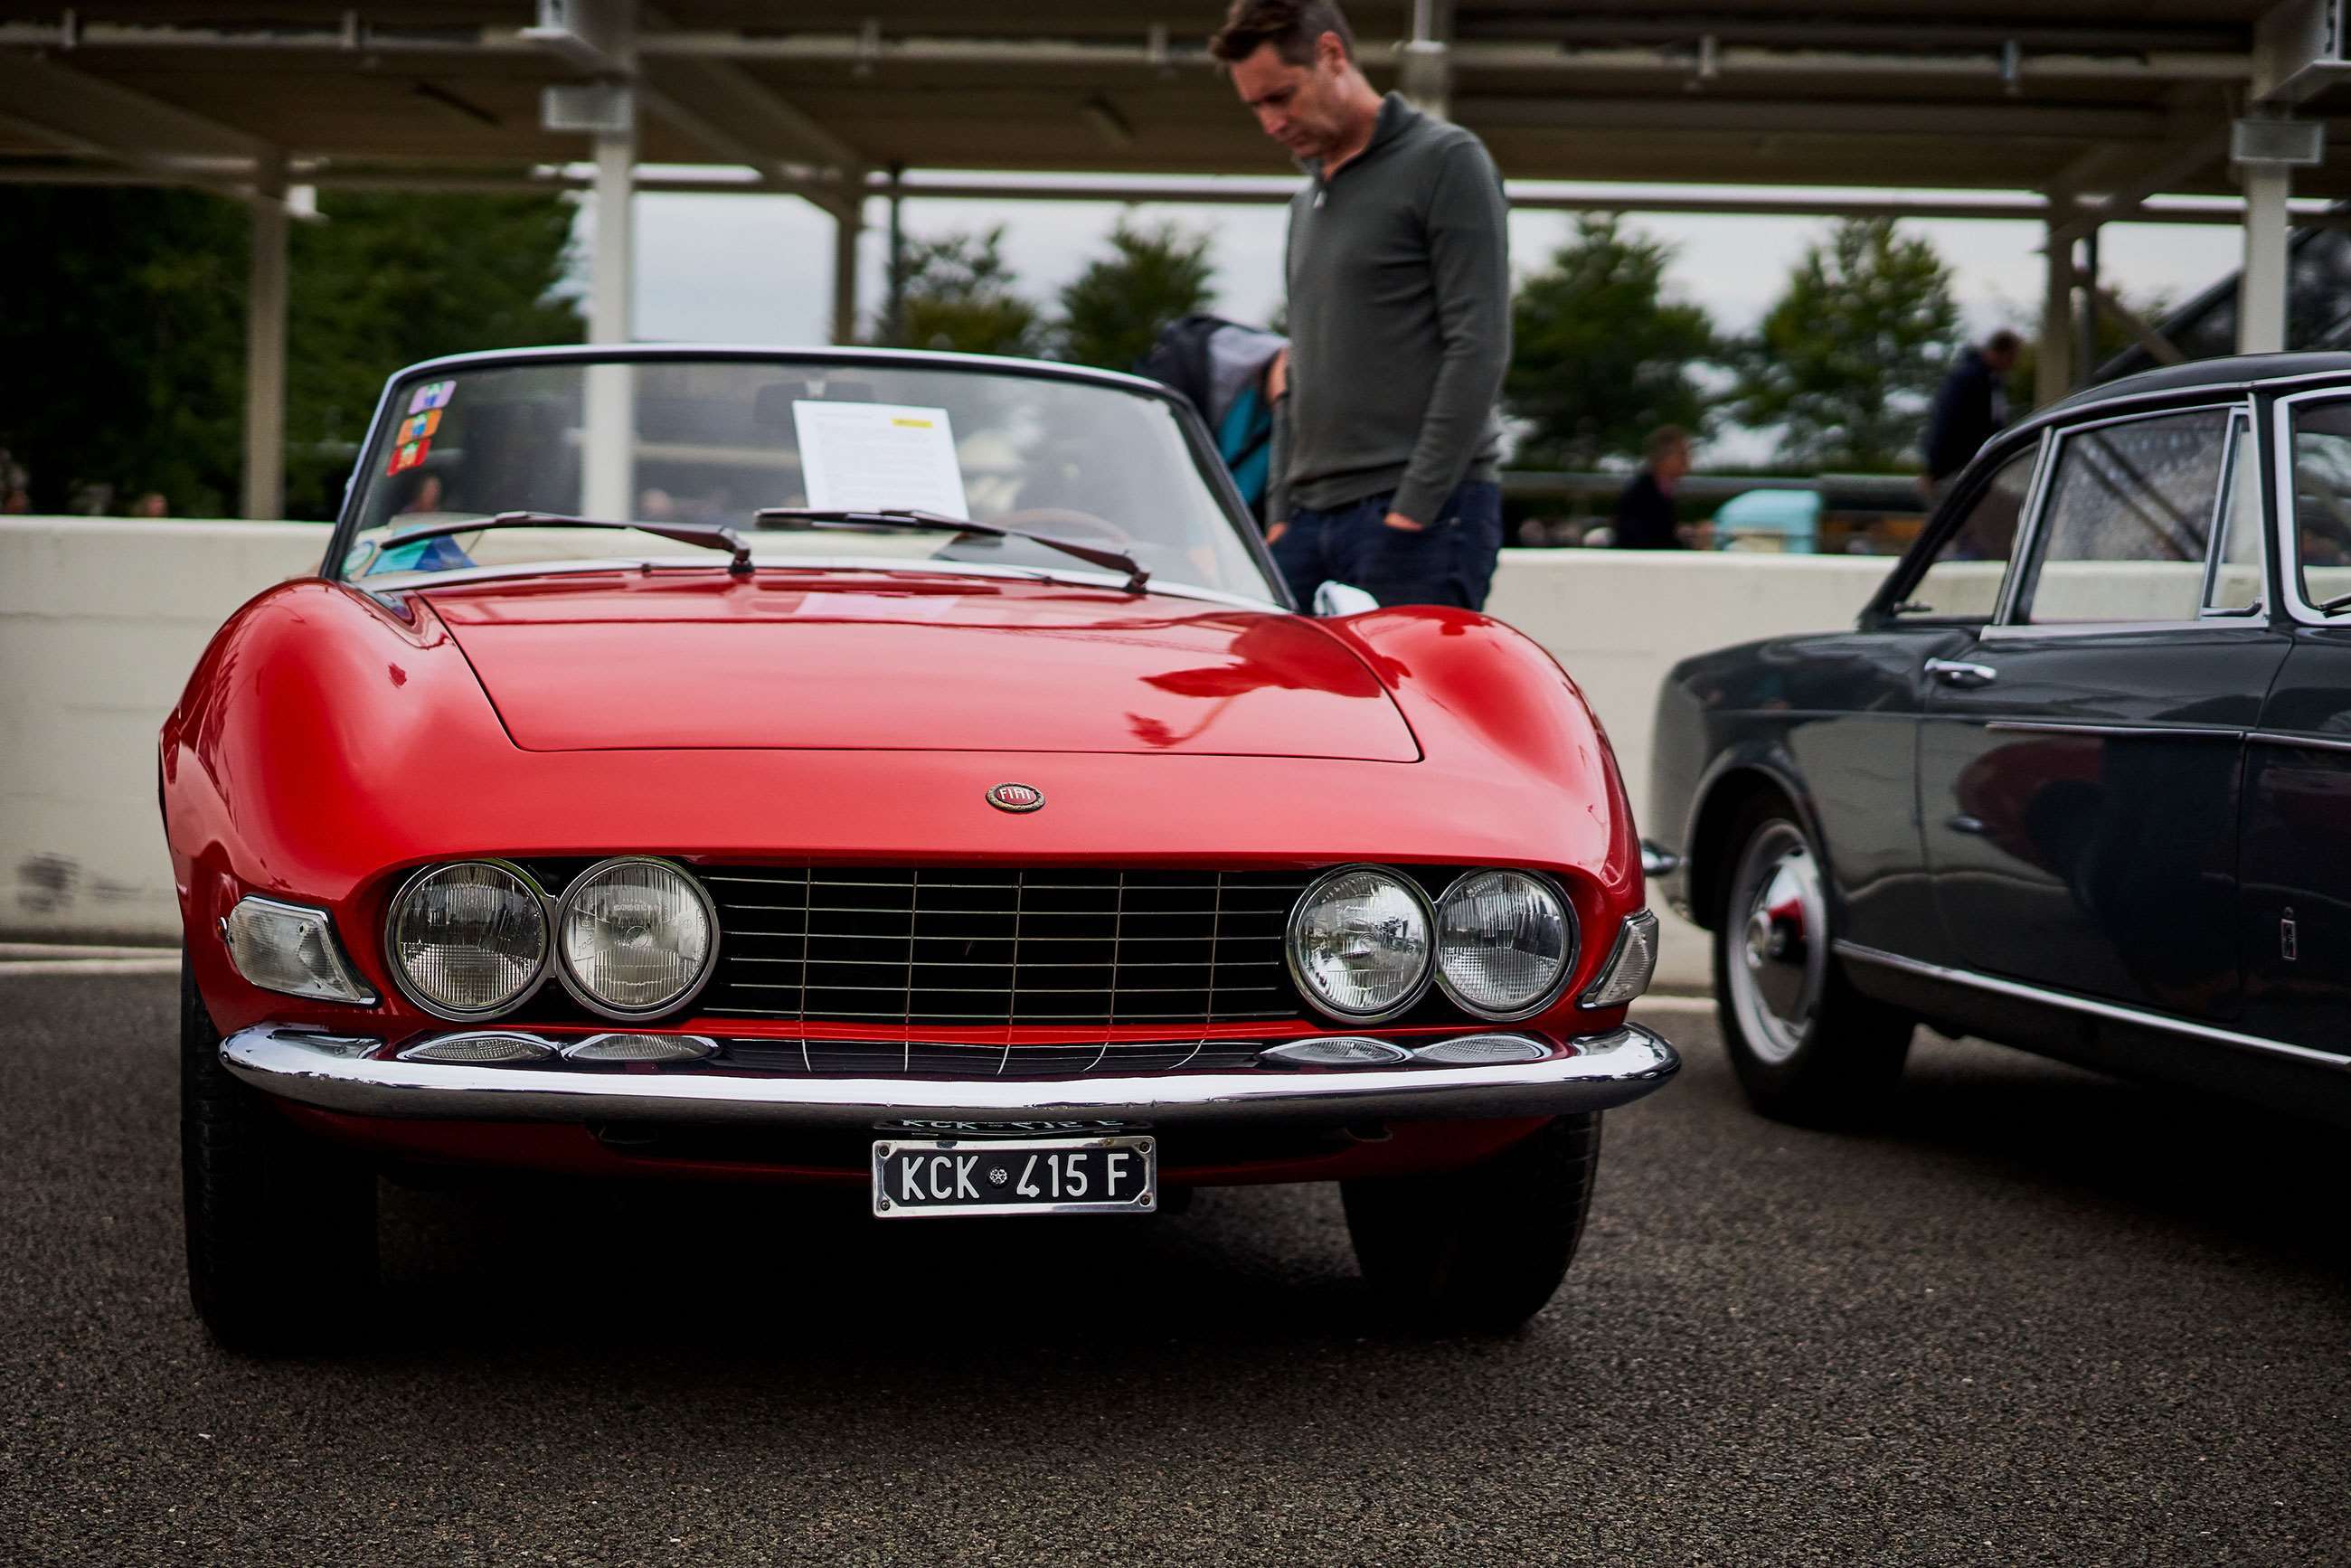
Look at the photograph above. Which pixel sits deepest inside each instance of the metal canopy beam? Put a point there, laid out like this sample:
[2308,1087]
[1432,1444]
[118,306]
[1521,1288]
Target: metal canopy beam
[88,114]
[2170,167]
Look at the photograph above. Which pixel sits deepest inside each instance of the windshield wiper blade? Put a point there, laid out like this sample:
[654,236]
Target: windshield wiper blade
[2340,602]
[911,517]
[708,536]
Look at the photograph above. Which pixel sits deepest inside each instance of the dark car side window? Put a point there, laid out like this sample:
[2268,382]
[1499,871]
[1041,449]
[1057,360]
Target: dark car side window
[1963,581]
[2130,521]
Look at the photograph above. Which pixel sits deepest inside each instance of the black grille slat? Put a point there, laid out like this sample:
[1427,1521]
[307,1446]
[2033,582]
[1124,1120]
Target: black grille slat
[965,945]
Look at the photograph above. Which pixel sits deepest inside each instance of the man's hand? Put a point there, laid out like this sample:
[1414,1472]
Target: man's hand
[1403,524]
[1273,532]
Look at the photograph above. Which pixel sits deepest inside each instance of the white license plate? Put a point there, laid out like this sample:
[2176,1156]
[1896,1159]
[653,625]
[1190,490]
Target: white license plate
[917,1177]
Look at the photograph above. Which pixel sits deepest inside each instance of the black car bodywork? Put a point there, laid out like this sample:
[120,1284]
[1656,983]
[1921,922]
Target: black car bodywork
[2069,810]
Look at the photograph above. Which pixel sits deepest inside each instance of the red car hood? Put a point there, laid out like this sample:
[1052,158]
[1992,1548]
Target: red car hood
[621,662]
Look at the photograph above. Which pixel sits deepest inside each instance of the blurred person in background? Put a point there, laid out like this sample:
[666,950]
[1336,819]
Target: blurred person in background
[1972,406]
[1646,517]
[1386,467]
[151,505]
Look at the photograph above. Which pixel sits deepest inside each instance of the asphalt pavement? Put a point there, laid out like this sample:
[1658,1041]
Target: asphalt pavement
[2040,1316]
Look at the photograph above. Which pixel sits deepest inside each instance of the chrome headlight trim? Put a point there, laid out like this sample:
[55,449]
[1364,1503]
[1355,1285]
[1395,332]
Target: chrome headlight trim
[1306,991]
[1550,997]
[399,974]
[588,999]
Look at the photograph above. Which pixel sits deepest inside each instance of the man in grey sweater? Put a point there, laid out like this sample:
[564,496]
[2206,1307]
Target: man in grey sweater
[1399,281]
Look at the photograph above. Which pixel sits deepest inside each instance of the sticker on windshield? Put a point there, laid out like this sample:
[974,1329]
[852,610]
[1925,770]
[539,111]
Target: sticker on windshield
[431,394]
[406,455]
[422,426]
[869,456]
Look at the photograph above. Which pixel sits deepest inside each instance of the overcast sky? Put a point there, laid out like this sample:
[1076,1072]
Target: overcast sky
[758,268]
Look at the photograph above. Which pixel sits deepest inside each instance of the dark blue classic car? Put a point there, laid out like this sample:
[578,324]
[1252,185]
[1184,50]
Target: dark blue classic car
[2080,779]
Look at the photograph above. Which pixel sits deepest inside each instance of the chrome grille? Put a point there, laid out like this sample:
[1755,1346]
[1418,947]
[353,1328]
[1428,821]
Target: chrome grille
[1081,945]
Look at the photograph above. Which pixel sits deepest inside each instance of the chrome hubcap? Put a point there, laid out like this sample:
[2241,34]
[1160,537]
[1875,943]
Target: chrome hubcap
[1781,960]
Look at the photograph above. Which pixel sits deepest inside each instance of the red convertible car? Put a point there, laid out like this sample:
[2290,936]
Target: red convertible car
[898,771]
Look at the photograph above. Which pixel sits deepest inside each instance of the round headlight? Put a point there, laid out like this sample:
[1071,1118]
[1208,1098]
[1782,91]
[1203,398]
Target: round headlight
[467,940]
[1504,940]
[1359,942]
[635,937]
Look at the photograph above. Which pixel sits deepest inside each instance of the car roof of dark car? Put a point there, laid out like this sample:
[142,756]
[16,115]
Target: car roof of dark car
[2229,371]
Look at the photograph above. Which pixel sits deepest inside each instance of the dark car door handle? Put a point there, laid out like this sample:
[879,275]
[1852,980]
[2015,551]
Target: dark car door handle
[1953,673]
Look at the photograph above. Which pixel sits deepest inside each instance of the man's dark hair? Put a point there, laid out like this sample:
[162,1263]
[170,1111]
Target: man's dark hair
[1665,439]
[2004,342]
[1290,25]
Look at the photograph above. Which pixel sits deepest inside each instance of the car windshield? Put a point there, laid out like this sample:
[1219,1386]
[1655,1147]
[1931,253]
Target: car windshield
[714,440]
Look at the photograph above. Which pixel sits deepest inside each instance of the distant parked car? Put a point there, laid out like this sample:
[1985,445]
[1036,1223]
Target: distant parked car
[2080,779]
[910,775]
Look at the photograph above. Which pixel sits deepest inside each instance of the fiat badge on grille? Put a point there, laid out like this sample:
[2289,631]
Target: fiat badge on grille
[1016,797]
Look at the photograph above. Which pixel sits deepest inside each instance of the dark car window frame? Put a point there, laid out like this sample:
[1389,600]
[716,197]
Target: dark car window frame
[2285,531]
[1996,455]
[2024,569]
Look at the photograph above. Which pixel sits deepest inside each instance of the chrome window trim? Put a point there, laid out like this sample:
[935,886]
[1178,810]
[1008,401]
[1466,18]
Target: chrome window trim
[587,998]
[2028,632]
[2027,562]
[2240,432]
[2024,518]
[1567,964]
[399,977]
[2282,538]
[1312,998]
[2288,737]
[2052,726]
[2114,1011]
[1198,440]
[393,583]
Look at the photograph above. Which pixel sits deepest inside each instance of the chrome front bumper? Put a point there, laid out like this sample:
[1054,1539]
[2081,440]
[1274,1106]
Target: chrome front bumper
[1590,1073]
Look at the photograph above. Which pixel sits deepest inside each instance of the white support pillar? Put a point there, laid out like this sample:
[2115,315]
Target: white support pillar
[2262,285]
[848,226]
[609,448]
[2053,364]
[265,346]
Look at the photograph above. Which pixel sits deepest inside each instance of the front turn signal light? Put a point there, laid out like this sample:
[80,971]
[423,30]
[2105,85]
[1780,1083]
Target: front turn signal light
[1630,964]
[291,949]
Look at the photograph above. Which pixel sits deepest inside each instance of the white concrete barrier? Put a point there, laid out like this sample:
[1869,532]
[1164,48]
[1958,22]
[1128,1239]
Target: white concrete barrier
[101,620]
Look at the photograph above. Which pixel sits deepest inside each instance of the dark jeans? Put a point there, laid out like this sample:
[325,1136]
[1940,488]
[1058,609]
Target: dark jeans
[1450,561]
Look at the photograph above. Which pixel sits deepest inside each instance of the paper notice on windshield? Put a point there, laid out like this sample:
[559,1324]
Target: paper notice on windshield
[868,456]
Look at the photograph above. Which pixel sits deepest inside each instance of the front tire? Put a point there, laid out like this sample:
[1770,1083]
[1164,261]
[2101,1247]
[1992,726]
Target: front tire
[1808,1048]
[1480,1249]
[281,1228]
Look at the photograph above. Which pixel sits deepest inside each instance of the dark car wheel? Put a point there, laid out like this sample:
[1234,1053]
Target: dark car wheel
[281,1228]
[1807,1047]
[1479,1249]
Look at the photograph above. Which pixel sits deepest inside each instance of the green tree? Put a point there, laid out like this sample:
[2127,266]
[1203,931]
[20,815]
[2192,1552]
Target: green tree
[1844,364]
[1599,355]
[1114,311]
[132,370]
[124,328]
[957,294]
[389,279]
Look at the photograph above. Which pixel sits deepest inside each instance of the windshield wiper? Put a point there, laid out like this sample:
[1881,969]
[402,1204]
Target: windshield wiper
[709,535]
[909,518]
[2340,602]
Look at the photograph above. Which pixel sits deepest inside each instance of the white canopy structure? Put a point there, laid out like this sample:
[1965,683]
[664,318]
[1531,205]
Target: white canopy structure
[2074,114]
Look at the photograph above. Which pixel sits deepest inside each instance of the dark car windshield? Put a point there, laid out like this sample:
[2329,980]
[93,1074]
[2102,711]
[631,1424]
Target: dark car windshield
[712,441]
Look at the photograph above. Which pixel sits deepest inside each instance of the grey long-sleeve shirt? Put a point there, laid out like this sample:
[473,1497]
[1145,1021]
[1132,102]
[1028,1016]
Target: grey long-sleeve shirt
[1399,277]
